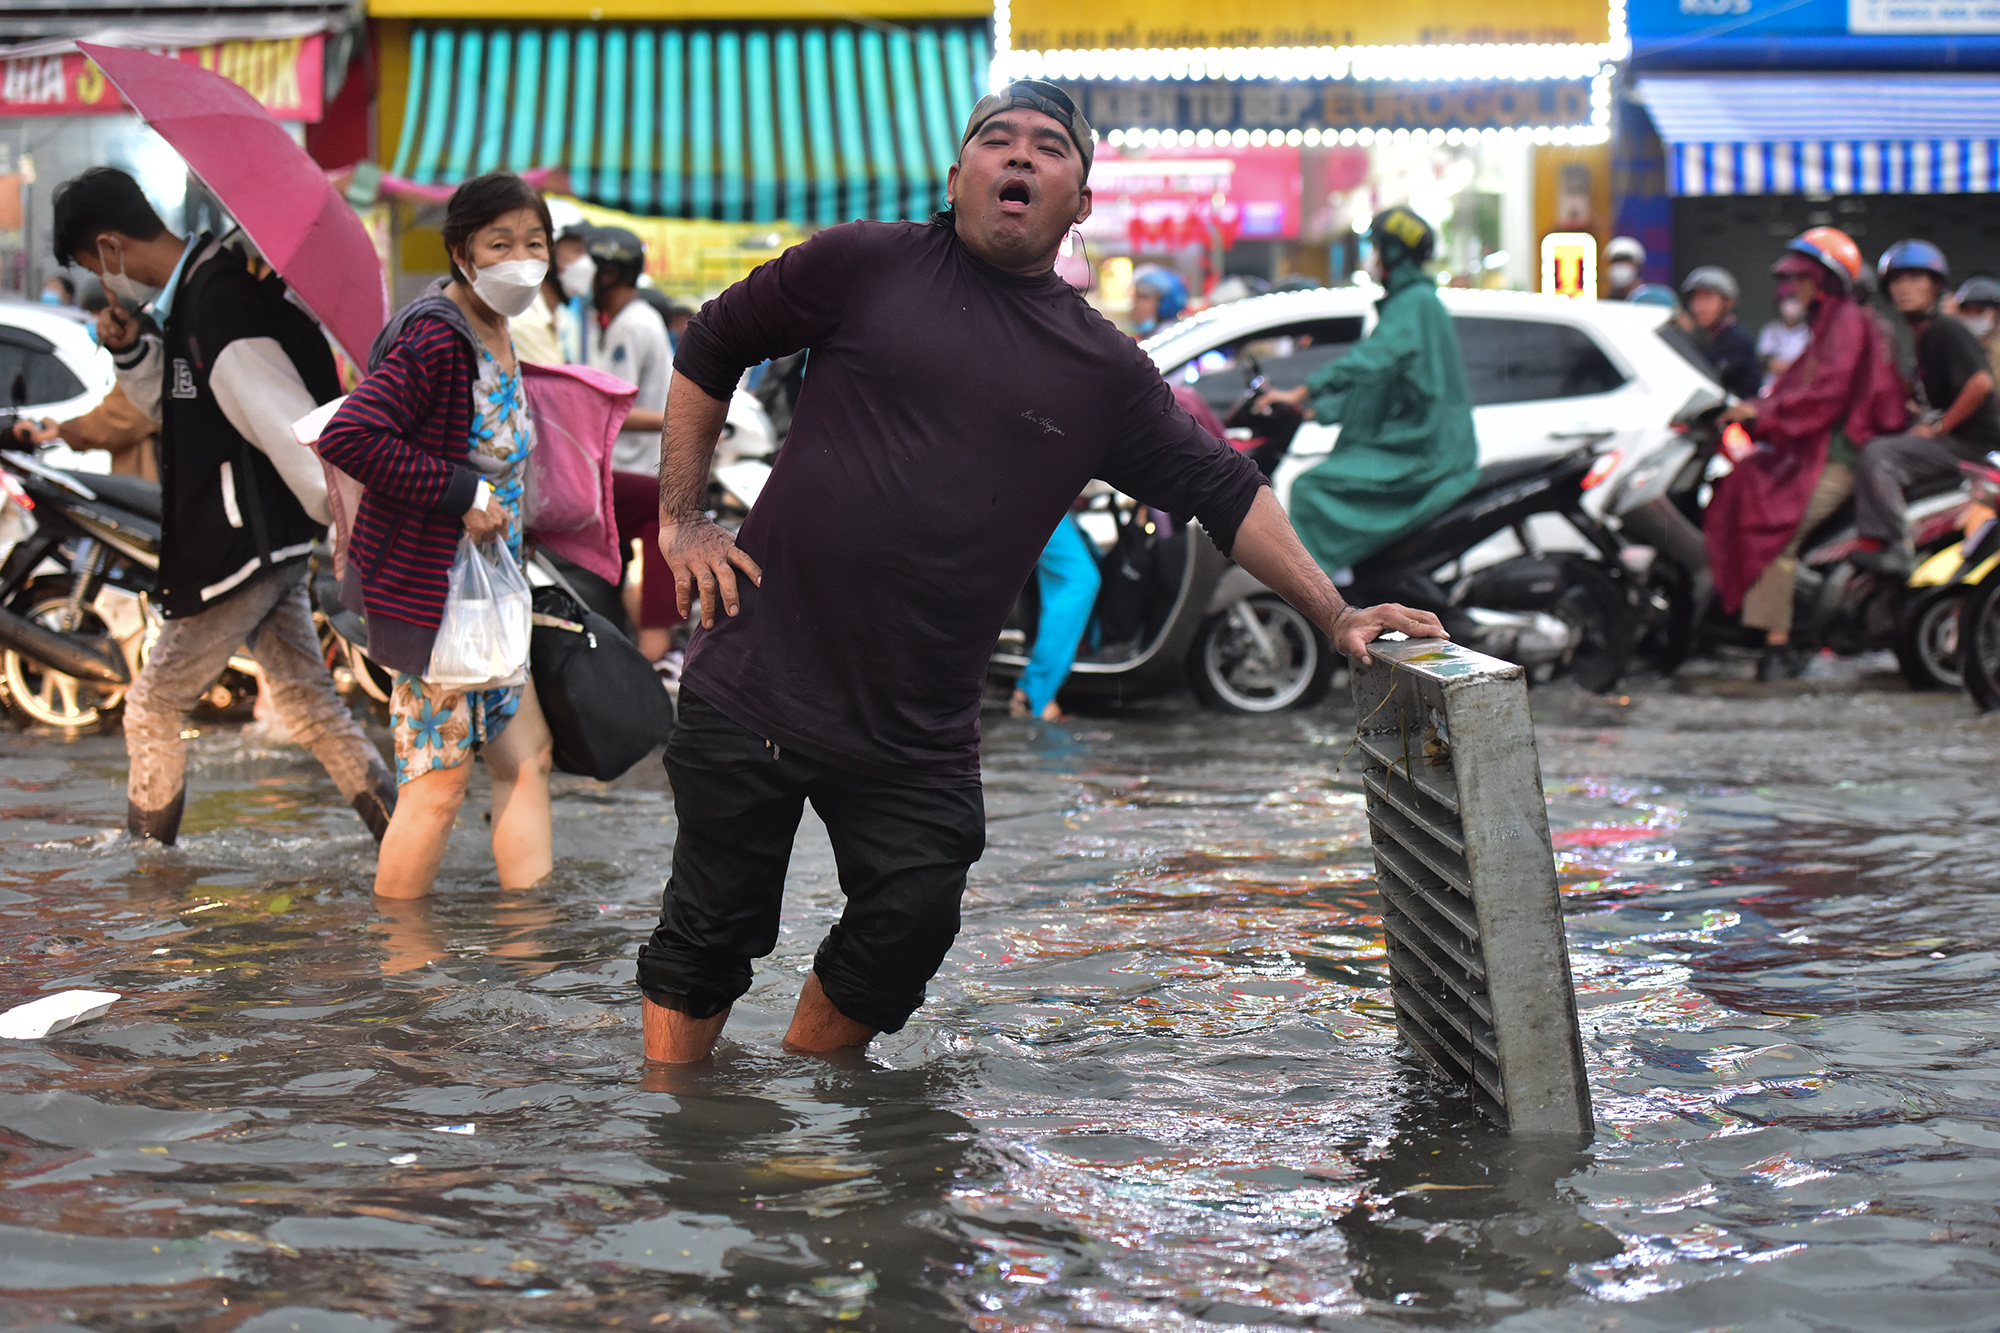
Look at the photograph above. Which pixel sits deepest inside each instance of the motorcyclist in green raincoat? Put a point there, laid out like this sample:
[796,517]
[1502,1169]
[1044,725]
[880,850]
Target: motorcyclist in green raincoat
[1406,451]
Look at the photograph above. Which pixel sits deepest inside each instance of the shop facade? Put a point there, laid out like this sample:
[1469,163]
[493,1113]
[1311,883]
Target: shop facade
[1883,120]
[1447,109]
[719,134]
[59,115]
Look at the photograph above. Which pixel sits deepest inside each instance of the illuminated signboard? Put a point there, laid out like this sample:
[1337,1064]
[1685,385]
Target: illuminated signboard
[1569,265]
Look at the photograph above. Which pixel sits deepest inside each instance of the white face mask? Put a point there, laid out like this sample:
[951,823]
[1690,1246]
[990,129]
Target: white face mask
[119,285]
[1981,325]
[578,275]
[1623,274]
[511,285]
[1791,310]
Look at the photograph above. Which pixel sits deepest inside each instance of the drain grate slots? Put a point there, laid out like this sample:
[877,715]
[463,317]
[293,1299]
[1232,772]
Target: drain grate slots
[1478,968]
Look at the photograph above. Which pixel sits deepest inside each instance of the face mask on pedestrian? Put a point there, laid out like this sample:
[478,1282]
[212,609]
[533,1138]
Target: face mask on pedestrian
[1792,310]
[578,276]
[511,285]
[1623,273]
[119,285]
[1981,324]
[50,296]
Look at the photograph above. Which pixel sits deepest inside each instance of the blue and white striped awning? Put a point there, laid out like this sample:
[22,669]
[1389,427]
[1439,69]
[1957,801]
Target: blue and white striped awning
[1828,134]
[739,122]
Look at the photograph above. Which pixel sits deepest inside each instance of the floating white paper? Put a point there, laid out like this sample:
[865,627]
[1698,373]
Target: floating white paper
[53,1013]
[466,1128]
[403,1159]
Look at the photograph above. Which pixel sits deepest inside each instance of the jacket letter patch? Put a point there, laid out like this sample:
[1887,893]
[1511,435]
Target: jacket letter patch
[183,380]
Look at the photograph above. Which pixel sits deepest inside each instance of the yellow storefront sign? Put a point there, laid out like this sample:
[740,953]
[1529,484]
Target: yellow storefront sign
[693,258]
[1050,25]
[1569,265]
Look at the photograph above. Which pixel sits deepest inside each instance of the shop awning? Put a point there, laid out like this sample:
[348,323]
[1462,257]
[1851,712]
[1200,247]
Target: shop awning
[1828,134]
[736,122]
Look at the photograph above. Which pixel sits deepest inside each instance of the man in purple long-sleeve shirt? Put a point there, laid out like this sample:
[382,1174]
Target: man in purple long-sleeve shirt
[957,398]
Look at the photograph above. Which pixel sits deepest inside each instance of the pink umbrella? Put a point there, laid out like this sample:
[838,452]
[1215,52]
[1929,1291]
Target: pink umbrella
[280,196]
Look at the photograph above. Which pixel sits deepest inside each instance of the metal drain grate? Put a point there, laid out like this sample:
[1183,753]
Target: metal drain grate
[1477,962]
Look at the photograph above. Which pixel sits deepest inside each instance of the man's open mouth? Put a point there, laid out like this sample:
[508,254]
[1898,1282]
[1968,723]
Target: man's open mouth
[1016,192]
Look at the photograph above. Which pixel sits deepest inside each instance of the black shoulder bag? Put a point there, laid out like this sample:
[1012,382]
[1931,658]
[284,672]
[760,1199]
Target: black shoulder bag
[604,702]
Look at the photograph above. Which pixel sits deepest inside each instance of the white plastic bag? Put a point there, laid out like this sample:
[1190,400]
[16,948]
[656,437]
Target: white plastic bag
[482,643]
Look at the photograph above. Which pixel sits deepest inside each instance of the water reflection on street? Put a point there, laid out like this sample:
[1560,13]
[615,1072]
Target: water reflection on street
[1155,1087]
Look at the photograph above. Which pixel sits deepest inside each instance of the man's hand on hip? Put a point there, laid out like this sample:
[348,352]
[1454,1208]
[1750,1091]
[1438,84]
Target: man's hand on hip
[705,560]
[1355,627]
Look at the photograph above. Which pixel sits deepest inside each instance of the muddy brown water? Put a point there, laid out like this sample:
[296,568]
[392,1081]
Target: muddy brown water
[1155,1088]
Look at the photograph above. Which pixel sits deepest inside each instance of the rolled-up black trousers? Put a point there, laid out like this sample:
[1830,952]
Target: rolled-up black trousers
[902,853]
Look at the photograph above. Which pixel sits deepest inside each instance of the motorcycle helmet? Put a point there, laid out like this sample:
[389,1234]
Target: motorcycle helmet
[1626,248]
[1981,290]
[1655,293]
[1397,232]
[1166,287]
[1833,249]
[1914,256]
[1709,278]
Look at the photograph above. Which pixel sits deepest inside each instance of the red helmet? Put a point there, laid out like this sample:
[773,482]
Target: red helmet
[1834,249]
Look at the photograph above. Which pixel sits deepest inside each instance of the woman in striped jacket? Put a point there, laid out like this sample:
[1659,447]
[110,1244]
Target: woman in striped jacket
[439,434]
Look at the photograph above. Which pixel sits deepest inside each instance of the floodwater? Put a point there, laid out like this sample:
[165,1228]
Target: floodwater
[1155,1088]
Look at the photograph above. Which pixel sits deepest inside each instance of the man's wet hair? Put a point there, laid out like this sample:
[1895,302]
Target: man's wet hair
[475,204]
[101,199]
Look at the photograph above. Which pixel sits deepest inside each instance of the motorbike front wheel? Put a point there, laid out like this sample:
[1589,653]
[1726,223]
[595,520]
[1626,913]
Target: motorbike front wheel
[1927,639]
[1260,655]
[41,693]
[1979,644]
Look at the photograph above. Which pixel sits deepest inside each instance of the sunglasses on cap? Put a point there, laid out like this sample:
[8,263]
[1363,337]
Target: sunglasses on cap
[1036,95]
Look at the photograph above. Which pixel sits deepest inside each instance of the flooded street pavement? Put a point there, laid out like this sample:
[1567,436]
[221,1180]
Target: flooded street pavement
[1156,1086]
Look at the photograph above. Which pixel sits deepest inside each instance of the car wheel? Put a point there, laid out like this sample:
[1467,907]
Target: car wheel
[1260,655]
[1927,638]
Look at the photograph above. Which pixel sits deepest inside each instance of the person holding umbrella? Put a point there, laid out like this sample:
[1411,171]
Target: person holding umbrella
[232,366]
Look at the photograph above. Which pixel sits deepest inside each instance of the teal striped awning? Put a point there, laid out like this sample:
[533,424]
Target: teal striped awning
[736,122]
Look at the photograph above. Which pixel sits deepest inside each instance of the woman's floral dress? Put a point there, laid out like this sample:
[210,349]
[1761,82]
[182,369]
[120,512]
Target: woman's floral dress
[437,726]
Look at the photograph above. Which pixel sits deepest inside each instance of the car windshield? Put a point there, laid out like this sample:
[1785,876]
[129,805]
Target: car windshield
[1683,343]
[1286,355]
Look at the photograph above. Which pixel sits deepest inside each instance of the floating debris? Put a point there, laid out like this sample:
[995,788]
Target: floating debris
[53,1013]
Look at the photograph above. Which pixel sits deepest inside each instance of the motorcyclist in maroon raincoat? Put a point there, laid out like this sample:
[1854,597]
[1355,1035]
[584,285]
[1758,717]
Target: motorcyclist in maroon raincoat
[1842,393]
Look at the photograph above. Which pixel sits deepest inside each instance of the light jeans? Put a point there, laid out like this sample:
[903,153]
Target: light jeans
[1768,604]
[272,617]
[1068,580]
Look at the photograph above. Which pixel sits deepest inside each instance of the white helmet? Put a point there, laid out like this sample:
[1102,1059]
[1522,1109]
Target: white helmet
[1625,247]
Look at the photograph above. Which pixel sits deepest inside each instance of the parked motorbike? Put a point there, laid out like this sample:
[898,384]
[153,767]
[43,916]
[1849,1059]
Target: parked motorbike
[1661,503]
[76,618]
[1928,638]
[1173,610]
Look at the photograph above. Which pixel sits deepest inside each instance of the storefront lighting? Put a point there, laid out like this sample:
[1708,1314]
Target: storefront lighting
[1294,137]
[1426,64]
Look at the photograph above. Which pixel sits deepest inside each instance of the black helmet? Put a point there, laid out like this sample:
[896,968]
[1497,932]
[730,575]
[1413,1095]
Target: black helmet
[1981,290]
[1399,231]
[617,250]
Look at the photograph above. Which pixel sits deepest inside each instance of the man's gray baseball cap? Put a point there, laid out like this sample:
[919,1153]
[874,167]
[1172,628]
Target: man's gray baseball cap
[1036,95]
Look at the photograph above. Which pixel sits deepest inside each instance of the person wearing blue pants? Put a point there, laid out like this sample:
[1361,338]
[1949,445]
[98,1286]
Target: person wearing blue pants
[1068,579]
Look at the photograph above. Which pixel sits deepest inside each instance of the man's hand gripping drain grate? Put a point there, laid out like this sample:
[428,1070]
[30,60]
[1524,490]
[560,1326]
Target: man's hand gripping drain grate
[1477,961]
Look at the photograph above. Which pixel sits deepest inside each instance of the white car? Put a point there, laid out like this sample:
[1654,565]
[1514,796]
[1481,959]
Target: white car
[1547,375]
[51,367]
